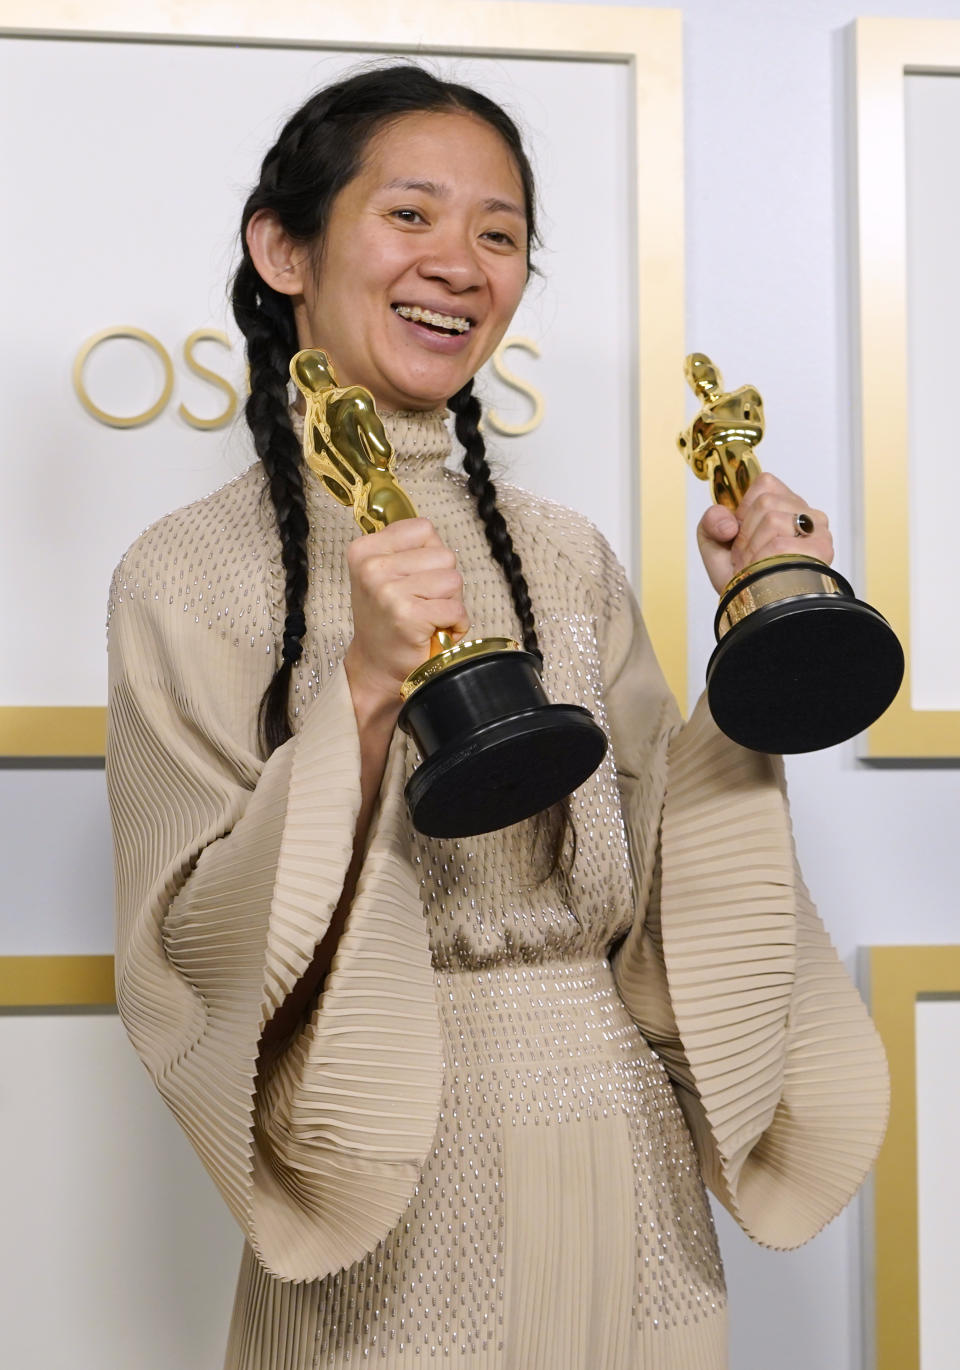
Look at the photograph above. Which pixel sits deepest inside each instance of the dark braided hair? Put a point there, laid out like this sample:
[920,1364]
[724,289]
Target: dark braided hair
[319,151]
[555,827]
[270,345]
[466,410]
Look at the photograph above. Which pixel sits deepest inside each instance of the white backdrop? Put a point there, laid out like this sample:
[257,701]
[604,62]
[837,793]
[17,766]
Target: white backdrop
[770,293]
[933,306]
[769,227]
[135,172]
[938,1144]
[133,222]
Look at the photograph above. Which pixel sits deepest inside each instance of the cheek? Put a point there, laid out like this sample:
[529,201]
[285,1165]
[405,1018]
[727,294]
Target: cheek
[511,292]
[377,260]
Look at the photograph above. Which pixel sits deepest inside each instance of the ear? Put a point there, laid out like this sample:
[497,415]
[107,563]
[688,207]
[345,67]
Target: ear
[280,262]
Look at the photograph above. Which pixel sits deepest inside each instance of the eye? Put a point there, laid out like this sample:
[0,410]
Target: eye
[408,216]
[499,237]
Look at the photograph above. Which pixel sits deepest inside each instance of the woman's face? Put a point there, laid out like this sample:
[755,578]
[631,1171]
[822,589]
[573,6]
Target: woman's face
[423,262]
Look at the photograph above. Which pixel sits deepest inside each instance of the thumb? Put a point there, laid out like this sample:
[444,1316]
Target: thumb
[719,524]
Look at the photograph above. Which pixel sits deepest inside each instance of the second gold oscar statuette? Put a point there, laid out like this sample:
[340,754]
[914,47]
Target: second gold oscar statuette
[494,749]
[800,662]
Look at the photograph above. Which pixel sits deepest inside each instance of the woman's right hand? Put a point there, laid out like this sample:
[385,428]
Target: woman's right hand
[405,586]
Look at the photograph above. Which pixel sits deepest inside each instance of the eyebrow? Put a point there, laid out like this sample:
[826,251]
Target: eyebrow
[441,192]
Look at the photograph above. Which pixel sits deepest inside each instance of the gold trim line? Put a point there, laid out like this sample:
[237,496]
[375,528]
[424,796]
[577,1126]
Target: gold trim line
[451,656]
[56,981]
[898,977]
[52,730]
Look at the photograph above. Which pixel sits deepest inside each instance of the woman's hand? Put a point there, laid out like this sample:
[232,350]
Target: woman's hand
[763,526]
[405,586]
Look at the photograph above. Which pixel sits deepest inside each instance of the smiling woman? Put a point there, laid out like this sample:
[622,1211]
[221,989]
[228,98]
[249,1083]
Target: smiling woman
[461,1095]
[419,274]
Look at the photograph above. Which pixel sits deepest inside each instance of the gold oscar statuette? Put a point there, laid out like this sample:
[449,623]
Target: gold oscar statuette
[494,750]
[800,662]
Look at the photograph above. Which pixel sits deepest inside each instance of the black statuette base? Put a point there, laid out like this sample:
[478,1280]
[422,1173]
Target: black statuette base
[804,674]
[495,750]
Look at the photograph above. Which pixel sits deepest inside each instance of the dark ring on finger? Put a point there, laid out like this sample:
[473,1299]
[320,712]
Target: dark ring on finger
[802,525]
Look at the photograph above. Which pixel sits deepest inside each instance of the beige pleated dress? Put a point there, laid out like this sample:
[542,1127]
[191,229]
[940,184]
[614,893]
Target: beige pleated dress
[484,1147]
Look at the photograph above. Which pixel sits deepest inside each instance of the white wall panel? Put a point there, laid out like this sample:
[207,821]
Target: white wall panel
[118,1254]
[58,863]
[933,307]
[770,227]
[938,1180]
[129,218]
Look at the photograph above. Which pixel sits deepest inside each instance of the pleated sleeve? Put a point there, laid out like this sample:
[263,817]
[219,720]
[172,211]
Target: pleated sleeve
[227,873]
[727,969]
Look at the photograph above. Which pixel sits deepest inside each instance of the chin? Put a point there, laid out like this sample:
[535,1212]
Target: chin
[431,390]
[421,399]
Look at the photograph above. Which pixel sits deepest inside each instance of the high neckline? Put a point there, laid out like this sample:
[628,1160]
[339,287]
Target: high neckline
[419,438]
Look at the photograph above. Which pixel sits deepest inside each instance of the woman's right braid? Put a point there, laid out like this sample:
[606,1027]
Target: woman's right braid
[466,410]
[267,323]
[555,825]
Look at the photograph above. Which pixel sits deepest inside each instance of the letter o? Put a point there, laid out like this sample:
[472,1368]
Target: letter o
[115,420]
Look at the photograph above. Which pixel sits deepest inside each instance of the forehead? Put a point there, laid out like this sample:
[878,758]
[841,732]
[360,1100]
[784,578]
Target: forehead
[451,148]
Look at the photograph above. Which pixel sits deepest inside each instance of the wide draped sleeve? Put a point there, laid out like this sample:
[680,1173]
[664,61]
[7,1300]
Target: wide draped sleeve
[727,969]
[227,873]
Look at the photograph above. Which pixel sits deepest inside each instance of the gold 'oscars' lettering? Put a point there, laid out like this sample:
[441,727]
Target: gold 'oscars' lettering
[137,335]
[220,420]
[514,382]
[206,373]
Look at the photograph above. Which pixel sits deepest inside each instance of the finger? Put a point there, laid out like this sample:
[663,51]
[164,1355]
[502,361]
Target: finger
[763,526]
[770,517]
[434,585]
[421,561]
[395,565]
[452,618]
[768,486]
[419,620]
[396,537]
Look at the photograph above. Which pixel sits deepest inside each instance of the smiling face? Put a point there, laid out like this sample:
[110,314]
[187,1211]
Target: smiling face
[423,262]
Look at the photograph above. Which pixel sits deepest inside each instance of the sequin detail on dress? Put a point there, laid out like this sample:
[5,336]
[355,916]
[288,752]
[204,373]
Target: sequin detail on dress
[526,1051]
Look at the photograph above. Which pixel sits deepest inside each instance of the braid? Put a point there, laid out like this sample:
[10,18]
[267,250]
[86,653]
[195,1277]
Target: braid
[555,825]
[466,410]
[266,319]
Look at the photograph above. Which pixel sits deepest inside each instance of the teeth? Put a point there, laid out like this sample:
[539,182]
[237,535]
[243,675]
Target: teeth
[418,315]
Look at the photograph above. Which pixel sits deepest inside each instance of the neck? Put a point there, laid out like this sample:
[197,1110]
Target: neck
[420,436]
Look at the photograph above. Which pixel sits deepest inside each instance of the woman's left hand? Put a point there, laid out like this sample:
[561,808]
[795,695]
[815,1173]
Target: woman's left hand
[763,526]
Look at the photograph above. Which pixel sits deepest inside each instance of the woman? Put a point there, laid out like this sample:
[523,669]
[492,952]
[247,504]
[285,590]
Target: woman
[459,1095]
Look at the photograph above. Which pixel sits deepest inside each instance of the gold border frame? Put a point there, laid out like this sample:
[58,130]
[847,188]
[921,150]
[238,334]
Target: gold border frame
[56,982]
[898,976]
[36,731]
[886,50]
[649,42]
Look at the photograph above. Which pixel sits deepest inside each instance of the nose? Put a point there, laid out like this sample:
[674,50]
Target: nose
[451,259]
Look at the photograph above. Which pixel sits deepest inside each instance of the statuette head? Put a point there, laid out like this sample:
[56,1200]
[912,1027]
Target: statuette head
[702,376]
